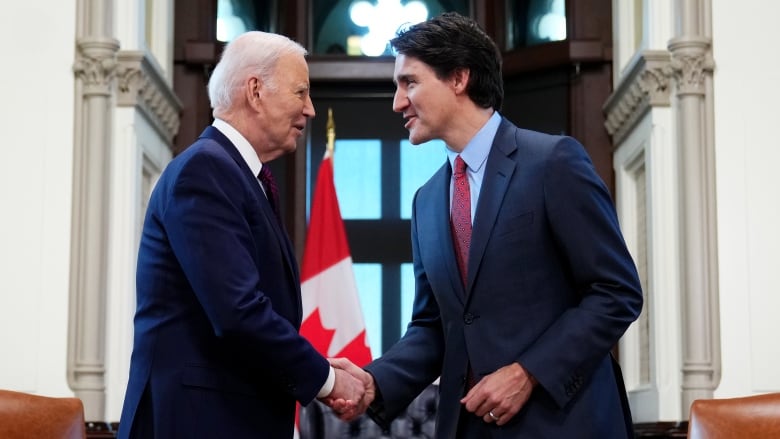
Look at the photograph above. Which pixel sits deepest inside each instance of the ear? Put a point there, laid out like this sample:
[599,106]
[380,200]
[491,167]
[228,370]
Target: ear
[254,91]
[460,80]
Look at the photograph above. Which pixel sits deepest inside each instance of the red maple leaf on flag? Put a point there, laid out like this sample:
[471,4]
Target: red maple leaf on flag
[319,336]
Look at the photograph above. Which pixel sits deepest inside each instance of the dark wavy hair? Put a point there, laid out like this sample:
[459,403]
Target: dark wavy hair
[449,42]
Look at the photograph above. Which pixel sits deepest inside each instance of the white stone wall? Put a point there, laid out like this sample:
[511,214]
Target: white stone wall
[36,154]
[650,145]
[747,94]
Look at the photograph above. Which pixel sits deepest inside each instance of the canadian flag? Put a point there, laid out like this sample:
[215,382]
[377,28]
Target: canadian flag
[332,317]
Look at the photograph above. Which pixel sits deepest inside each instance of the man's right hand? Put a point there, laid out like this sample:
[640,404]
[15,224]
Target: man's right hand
[347,392]
[342,407]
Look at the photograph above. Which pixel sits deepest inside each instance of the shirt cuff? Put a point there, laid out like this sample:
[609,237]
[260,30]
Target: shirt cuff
[329,383]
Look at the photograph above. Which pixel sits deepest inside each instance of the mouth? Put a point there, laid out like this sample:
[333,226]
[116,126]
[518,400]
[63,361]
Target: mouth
[409,121]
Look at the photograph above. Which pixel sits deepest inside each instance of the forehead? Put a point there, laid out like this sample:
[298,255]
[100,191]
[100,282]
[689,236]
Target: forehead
[292,68]
[407,66]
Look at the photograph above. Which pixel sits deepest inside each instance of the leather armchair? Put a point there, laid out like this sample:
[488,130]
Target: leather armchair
[23,415]
[756,416]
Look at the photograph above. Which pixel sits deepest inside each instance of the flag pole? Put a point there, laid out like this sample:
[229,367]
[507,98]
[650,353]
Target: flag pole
[331,134]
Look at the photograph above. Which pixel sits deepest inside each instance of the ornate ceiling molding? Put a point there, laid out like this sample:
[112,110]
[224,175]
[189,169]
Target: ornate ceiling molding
[646,84]
[140,84]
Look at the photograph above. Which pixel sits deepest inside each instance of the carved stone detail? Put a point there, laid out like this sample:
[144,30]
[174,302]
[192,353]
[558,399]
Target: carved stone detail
[140,83]
[647,84]
[691,63]
[690,73]
[654,82]
[96,64]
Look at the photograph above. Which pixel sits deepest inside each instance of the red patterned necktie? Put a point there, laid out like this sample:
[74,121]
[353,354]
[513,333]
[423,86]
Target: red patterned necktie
[461,217]
[461,233]
[271,190]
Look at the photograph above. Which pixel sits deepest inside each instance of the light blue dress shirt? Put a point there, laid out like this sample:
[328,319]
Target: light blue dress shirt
[475,155]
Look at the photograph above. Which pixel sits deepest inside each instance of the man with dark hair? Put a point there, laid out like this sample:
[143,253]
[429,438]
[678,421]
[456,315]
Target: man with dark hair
[523,279]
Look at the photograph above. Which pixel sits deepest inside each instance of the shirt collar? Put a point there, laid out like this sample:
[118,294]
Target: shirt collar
[242,145]
[476,151]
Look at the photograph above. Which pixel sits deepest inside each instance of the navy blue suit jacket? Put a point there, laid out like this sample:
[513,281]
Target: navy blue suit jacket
[551,285]
[217,351]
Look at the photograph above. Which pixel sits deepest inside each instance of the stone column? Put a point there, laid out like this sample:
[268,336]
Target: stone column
[94,69]
[692,65]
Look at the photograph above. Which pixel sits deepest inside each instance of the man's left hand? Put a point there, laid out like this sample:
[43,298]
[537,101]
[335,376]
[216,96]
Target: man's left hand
[499,396]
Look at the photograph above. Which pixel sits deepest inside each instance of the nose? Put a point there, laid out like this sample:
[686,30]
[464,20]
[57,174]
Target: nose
[308,108]
[400,101]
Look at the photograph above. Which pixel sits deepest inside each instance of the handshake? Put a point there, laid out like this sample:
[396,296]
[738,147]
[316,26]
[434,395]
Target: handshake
[353,390]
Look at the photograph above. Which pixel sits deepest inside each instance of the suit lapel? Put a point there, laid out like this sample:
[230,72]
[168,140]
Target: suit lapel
[498,173]
[281,235]
[265,205]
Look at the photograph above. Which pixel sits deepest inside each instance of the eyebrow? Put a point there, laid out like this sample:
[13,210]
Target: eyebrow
[403,78]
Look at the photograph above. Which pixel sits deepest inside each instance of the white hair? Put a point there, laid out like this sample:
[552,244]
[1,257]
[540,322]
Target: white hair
[253,53]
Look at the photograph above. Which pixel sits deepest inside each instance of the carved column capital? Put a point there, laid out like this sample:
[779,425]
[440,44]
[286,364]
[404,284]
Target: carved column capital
[692,63]
[95,64]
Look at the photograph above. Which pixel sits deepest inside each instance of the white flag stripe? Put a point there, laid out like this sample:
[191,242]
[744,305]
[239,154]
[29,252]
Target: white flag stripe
[334,292]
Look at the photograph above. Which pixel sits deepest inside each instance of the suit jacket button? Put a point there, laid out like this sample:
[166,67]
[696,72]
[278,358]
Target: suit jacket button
[468,318]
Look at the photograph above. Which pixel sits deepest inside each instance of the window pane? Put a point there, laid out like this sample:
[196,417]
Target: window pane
[531,22]
[368,278]
[357,172]
[235,17]
[341,28]
[230,23]
[407,295]
[418,163]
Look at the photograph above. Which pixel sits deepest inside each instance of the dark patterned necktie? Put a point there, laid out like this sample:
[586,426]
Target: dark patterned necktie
[271,190]
[461,217]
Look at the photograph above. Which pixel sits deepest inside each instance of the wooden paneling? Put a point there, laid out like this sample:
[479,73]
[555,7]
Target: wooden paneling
[195,52]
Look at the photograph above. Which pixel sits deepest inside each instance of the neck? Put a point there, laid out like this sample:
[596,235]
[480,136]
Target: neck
[466,127]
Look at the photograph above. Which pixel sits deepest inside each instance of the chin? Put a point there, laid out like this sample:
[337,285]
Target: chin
[418,135]
[417,140]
